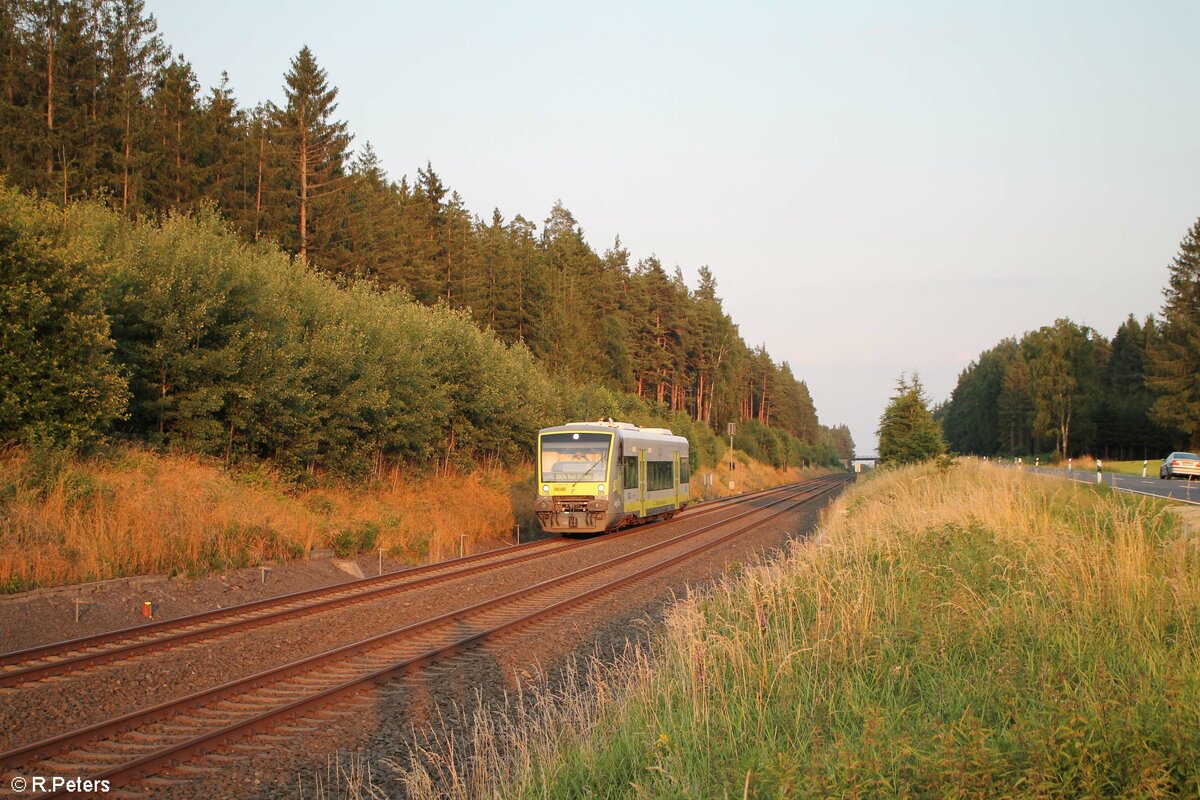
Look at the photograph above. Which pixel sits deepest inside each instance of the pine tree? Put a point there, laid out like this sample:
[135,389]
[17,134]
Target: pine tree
[374,214]
[1014,406]
[1175,354]
[908,433]
[567,338]
[1123,418]
[218,162]
[263,166]
[317,151]
[176,137]
[135,54]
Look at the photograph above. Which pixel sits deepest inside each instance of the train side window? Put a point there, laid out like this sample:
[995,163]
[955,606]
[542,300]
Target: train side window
[660,475]
[684,471]
[631,472]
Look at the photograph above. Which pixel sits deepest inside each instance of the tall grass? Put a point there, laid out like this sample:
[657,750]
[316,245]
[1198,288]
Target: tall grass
[967,632]
[137,512]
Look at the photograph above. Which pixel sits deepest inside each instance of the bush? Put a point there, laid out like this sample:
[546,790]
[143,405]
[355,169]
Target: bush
[235,350]
[58,382]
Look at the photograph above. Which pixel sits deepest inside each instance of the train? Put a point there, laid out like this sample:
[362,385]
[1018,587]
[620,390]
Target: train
[595,477]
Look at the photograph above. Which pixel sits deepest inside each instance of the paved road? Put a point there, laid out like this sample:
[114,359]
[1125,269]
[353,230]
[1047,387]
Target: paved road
[1184,491]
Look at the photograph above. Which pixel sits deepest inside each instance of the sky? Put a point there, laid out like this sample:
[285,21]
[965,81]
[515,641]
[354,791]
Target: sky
[878,187]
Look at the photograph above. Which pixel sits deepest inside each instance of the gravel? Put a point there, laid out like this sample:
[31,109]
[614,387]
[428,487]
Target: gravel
[382,725]
[377,725]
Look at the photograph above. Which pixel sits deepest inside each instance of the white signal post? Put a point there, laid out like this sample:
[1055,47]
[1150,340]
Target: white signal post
[1099,472]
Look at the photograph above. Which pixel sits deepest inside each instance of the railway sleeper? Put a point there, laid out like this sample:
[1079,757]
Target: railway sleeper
[133,737]
[200,770]
[91,760]
[277,693]
[236,709]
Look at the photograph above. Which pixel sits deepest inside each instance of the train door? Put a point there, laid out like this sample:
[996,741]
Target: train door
[677,474]
[642,478]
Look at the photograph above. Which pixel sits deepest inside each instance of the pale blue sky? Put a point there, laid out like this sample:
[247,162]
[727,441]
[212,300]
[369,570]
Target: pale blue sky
[877,186]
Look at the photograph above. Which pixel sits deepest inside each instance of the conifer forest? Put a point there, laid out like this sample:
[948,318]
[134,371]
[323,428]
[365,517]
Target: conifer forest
[243,279]
[1067,388]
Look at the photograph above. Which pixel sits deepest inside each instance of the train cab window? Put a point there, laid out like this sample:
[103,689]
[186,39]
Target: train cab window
[630,464]
[684,471]
[572,457]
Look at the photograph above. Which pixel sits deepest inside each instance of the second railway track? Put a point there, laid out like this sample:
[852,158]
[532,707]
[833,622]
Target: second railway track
[124,747]
[57,658]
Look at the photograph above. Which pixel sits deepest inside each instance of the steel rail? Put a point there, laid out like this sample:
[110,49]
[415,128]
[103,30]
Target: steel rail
[130,641]
[58,744]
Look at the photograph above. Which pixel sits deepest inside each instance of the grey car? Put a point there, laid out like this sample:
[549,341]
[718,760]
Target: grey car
[1180,465]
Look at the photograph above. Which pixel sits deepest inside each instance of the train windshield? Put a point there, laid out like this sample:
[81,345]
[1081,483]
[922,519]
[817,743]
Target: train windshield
[570,457]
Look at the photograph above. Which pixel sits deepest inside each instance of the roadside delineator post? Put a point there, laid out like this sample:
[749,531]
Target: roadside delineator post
[1099,472]
[1145,461]
[1037,462]
[1069,462]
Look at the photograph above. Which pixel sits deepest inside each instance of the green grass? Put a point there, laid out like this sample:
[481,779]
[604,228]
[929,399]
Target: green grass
[1088,464]
[971,634]
[1132,467]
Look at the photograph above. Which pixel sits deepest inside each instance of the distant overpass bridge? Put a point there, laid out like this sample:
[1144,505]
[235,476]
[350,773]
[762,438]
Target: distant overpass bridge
[857,462]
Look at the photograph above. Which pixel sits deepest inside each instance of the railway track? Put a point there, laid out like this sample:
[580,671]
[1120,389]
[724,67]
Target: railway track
[120,749]
[57,658]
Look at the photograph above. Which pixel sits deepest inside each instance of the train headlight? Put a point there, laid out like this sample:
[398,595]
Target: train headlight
[545,488]
[600,489]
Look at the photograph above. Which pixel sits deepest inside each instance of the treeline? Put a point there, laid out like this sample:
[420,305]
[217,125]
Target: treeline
[180,334]
[94,105]
[1067,387]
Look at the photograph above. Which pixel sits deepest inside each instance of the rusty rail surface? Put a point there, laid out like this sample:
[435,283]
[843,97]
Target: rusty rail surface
[56,658]
[200,721]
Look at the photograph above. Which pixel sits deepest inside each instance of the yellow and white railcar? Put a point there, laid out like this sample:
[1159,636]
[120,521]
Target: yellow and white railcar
[599,476]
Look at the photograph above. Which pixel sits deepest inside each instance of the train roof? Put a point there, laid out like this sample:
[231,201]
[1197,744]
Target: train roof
[627,429]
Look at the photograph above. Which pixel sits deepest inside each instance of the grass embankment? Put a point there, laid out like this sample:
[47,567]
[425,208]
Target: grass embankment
[1088,464]
[136,512]
[748,476]
[971,633]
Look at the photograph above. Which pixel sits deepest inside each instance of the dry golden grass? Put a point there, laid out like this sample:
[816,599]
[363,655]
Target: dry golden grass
[749,476]
[139,512]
